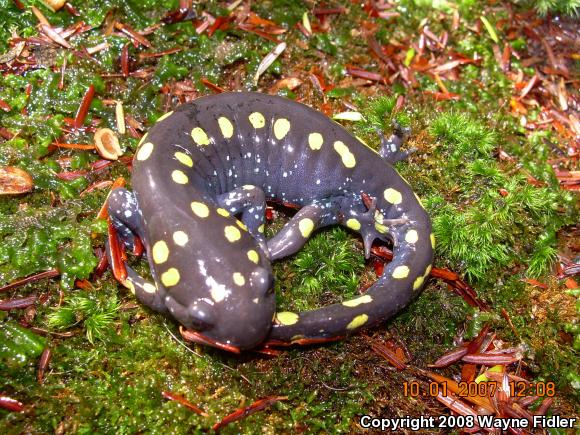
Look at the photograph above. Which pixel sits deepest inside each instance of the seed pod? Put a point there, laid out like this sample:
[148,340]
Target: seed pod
[14,181]
[107,144]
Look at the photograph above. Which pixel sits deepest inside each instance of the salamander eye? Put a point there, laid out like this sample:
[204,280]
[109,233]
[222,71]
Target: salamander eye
[201,315]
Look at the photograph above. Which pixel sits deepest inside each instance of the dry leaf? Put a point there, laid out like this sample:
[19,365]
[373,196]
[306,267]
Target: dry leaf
[14,181]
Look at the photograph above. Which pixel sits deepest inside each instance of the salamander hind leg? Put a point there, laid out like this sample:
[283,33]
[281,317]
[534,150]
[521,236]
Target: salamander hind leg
[391,146]
[369,223]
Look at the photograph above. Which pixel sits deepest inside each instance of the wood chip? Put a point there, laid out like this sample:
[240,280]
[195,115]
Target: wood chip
[120,114]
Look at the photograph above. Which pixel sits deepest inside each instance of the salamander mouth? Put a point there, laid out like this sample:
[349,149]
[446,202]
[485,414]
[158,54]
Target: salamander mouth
[199,338]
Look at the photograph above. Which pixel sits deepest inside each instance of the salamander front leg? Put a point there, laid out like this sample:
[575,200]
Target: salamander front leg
[391,147]
[147,293]
[125,223]
[251,202]
[297,231]
[125,216]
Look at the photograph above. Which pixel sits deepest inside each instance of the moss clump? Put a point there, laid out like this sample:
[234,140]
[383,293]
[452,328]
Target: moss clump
[462,135]
[379,115]
[544,7]
[499,219]
[97,314]
[326,270]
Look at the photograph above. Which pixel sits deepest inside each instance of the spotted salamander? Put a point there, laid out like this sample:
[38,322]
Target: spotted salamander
[201,179]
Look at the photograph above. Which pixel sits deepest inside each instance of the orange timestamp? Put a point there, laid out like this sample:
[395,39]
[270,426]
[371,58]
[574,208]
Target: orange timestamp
[472,389]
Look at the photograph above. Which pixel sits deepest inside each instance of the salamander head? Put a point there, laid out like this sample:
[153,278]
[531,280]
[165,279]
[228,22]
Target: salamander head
[231,319]
[232,315]
[221,289]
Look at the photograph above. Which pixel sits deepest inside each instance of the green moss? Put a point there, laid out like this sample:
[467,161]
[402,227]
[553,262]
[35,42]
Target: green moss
[14,20]
[553,357]
[544,7]
[463,136]
[326,270]
[18,346]
[42,239]
[95,313]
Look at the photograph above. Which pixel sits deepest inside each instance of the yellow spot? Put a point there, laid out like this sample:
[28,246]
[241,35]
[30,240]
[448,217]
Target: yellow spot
[149,288]
[200,209]
[365,299]
[129,284]
[281,128]
[418,283]
[241,225]
[432,237]
[184,159]
[286,318]
[145,151]
[199,136]
[232,233]
[226,127]
[305,226]
[379,218]
[253,256]
[412,236]
[353,224]
[401,272]
[223,212]
[143,138]
[180,238]
[428,271]
[257,120]
[393,196]
[162,117]
[348,159]
[239,279]
[261,228]
[160,252]
[315,141]
[179,177]
[248,187]
[358,321]
[381,228]
[170,277]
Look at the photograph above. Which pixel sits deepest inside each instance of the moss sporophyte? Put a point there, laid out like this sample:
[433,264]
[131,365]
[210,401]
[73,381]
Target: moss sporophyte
[490,121]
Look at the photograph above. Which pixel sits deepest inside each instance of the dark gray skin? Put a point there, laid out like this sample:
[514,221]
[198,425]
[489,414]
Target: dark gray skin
[234,152]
